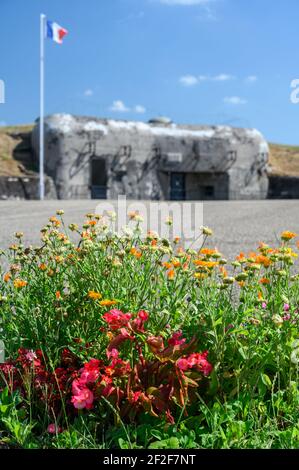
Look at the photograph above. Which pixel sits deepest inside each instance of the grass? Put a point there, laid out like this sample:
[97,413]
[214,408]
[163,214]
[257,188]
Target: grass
[121,341]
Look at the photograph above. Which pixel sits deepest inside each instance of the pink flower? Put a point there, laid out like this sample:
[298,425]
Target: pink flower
[53,429]
[183,364]
[112,354]
[176,339]
[83,399]
[264,305]
[30,356]
[286,307]
[287,317]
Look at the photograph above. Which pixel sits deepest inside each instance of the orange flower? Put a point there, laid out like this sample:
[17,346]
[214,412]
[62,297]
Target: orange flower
[264,281]
[55,221]
[223,271]
[7,277]
[85,235]
[171,274]
[133,214]
[58,259]
[205,264]
[136,253]
[154,242]
[42,267]
[176,263]
[266,262]
[107,303]
[92,222]
[58,295]
[241,257]
[167,265]
[177,240]
[242,284]
[260,295]
[287,236]
[94,295]
[19,283]
[207,252]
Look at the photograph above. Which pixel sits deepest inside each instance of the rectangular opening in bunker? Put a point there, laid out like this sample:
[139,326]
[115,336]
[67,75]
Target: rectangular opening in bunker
[177,186]
[98,178]
[207,186]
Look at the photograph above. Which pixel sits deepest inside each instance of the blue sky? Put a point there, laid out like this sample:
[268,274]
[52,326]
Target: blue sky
[196,61]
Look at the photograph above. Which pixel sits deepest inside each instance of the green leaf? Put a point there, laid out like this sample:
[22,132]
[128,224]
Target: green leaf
[266,380]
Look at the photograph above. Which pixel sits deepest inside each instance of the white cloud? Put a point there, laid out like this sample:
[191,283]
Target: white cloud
[189,80]
[223,77]
[192,80]
[251,79]
[119,106]
[88,92]
[139,109]
[234,100]
[184,2]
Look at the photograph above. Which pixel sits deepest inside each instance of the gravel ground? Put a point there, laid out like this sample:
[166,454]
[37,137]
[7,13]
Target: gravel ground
[238,225]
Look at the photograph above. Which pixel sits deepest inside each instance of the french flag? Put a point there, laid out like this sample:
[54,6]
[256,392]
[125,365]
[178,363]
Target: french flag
[55,32]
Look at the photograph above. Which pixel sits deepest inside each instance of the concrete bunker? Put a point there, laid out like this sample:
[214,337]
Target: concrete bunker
[99,158]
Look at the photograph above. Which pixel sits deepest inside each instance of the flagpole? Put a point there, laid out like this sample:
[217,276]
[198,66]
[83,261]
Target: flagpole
[42,109]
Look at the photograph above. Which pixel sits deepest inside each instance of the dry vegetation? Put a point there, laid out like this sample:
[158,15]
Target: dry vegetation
[284,160]
[10,139]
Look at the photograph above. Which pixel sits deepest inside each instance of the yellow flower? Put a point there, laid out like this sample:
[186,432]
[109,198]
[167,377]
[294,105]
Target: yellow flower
[94,295]
[19,283]
[207,231]
[287,236]
[200,276]
[107,303]
[19,235]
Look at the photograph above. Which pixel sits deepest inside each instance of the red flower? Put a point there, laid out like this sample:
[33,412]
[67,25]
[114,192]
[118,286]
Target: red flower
[196,360]
[143,315]
[119,339]
[117,319]
[176,339]
[138,323]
